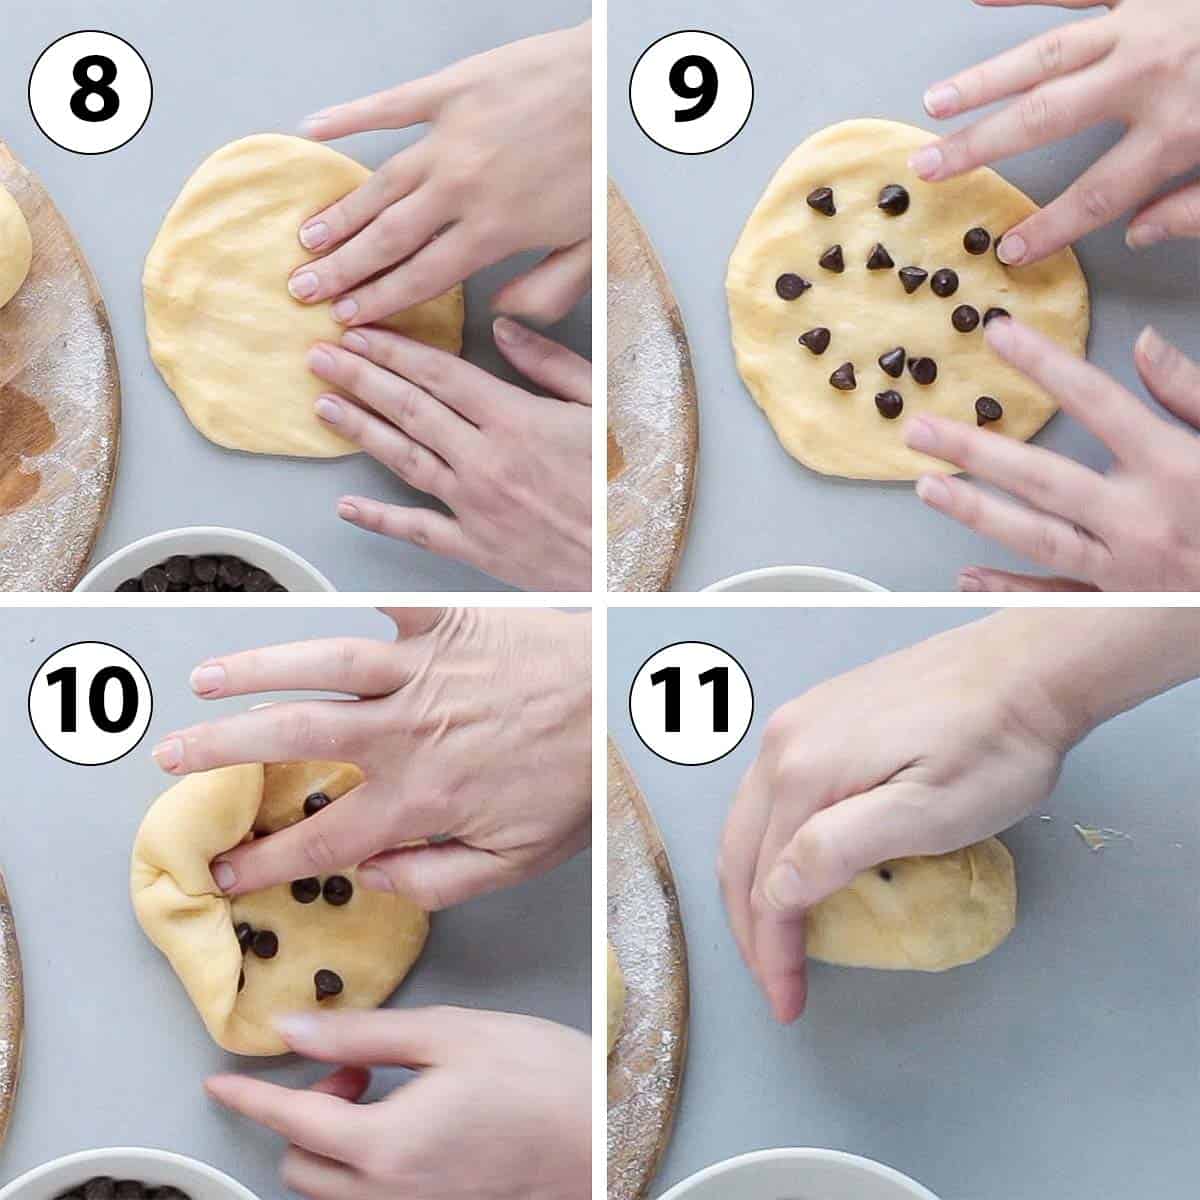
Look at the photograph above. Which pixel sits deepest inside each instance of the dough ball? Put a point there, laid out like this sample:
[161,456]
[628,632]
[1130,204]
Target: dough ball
[16,248]
[223,330]
[314,945]
[829,255]
[616,998]
[919,914]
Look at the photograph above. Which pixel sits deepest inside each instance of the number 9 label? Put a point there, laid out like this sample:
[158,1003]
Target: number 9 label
[691,703]
[691,92]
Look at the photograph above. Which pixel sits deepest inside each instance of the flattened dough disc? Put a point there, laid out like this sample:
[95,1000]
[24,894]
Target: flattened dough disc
[223,330]
[12,1012]
[869,313]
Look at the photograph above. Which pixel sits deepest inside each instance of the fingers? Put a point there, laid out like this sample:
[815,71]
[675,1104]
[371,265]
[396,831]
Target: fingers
[1046,3]
[317,1177]
[743,835]
[412,622]
[1172,377]
[548,291]
[1175,215]
[396,108]
[422,527]
[1048,56]
[347,1083]
[1045,539]
[782,963]
[324,1124]
[411,1037]
[438,876]
[987,579]
[560,371]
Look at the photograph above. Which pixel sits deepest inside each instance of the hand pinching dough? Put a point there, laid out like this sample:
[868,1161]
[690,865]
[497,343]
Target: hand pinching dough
[16,248]
[919,914]
[223,330]
[858,294]
[319,943]
[616,998]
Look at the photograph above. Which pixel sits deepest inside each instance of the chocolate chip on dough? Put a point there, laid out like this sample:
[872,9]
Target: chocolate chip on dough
[241,980]
[337,890]
[893,199]
[816,340]
[306,890]
[944,282]
[890,404]
[832,260]
[265,944]
[245,935]
[885,875]
[879,259]
[923,370]
[892,362]
[821,199]
[987,410]
[977,241]
[789,286]
[964,318]
[315,802]
[912,278]
[993,313]
[327,983]
[843,378]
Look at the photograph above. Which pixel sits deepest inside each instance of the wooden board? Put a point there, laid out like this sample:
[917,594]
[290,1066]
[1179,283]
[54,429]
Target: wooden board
[653,423]
[645,1069]
[60,404]
[12,1012]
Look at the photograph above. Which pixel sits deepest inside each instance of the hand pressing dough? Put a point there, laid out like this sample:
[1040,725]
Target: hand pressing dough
[16,248]
[856,315]
[369,942]
[919,914]
[616,998]
[223,330]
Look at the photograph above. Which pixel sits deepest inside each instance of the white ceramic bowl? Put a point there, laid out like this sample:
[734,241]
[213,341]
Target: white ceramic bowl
[794,579]
[157,1168]
[795,1174]
[292,571]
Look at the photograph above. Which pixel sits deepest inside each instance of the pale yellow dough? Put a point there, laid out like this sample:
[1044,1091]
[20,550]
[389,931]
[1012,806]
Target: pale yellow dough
[919,914]
[16,247]
[616,998]
[869,313]
[371,942]
[223,330]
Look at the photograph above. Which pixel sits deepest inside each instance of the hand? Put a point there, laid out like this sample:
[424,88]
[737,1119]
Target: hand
[474,726]
[501,1107]
[1134,529]
[506,166]
[514,467]
[1139,65]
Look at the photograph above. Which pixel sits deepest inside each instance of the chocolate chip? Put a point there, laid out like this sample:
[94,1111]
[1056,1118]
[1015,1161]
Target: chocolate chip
[789,286]
[964,318]
[178,568]
[73,1194]
[843,378]
[923,370]
[987,410]
[306,890]
[893,199]
[204,567]
[100,1187]
[892,363]
[327,983]
[890,404]
[258,581]
[816,340]
[822,200]
[832,260]
[944,282]
[170,1193]
[879,259]
[976,241]
[993,313]
[202,573]
[315,802]
[231,573]
[245,935]
[912,278]
[129,585]
[265,944]
[130,1189]
[337,890]
[154,579]
[885,875]
[241,980]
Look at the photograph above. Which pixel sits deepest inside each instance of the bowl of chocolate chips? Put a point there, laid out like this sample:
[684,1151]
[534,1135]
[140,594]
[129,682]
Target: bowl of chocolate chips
[204,558]
[125,1173]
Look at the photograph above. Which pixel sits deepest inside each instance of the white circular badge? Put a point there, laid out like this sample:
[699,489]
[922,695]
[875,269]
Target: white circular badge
[90,703]
[691,92]
[90,92]
[691,703]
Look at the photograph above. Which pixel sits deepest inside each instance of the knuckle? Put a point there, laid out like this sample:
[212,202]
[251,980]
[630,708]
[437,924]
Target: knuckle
[318,850]
[777,733]
[420,530]
[1095,201]
[1051,52]
[1034,113]
[405,460]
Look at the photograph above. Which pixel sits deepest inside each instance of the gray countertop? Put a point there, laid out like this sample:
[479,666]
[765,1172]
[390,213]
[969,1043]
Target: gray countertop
[814,65]
[223,70]
[1064,1065]
[115,1054]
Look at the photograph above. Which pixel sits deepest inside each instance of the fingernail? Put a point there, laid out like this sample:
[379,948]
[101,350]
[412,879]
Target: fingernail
[785,889]
[926,162]
[942,99]
[999,332]
[297,1027]
[1138,237]
[969,581]
[920,435]
[304,285]
[1012,249]
[509,332]
[319,359]
[318,118]
[168,754]
[328,409]
[375,880]
[223,875]
[209,677]
[314,235]
[346,309]
[355,341]
[933,491]
[1151,344]
[347,511]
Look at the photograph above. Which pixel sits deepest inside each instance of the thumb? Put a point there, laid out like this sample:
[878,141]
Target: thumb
[550,289]
[412,622]
[550,365]
[988,579]
[411,1037]
[346,1083]
[1175,215]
